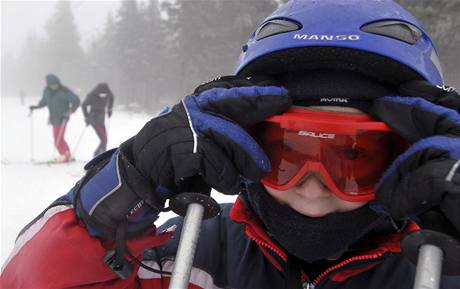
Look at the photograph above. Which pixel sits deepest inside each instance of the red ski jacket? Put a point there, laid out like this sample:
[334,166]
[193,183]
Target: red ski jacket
[55,251]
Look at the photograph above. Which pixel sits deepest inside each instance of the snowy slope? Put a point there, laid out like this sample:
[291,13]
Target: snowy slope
[26,188]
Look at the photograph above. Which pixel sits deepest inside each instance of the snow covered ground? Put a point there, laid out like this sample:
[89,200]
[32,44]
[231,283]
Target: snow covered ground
[27,188]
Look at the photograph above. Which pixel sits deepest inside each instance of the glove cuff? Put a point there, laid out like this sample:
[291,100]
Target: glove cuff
[105,198]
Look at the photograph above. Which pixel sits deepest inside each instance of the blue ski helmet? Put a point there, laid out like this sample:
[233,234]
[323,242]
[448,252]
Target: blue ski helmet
[377,38]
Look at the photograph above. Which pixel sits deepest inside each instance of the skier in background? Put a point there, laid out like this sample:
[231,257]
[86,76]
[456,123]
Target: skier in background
[61,103]
[94,107]
[326,189]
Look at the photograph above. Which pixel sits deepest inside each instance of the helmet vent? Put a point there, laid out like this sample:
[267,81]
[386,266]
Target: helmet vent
[276,26]
[395,29]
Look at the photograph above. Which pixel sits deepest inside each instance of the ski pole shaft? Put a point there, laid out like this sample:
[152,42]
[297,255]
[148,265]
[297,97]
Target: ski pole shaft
[107,127]
[78,141]
[429,267]
[59,137]
[31,116]
[61,132]
[187,246]
[433,249]
[196,208]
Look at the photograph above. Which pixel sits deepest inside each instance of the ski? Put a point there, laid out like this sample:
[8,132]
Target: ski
[53,162]
[50,162]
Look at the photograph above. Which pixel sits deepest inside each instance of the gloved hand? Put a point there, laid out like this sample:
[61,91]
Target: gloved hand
[109,113]
[33,107]
[87,121]
[66,116]
[203,136]
[196,145]
[427,175]
[442,95]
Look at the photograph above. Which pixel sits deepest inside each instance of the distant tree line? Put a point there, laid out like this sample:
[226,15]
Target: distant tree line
[441,19]
[154,52]
[149,52]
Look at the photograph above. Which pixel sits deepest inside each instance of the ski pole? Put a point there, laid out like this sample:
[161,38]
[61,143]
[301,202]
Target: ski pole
[60,133]
[31,122]
[107,127]
[429,267]
[78,141]
[433,250]
[195,207]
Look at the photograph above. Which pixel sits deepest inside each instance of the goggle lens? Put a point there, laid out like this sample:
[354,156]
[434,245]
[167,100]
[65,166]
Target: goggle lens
[350,161]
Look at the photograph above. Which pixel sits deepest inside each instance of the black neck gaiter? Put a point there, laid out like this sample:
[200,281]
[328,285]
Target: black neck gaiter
[311,239]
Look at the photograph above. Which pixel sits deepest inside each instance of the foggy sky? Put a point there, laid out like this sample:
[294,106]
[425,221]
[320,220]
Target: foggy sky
[19,18]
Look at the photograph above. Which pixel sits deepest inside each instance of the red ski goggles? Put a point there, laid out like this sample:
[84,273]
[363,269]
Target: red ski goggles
[349,152]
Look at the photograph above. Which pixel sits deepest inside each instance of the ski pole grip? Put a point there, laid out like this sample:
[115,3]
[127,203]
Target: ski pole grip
[435,231]
[195,207]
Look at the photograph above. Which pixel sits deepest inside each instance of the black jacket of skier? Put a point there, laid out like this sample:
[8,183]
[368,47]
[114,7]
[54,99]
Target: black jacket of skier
[97,103]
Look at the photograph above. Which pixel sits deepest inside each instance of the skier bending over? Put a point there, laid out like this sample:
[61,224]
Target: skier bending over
[61,102]
[326,191]
[98,100]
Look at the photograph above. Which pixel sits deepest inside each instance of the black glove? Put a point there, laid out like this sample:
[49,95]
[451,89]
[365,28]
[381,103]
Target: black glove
[196,145]
[87,121]
[204,135]
[68,113]
[109,113]
[66,116]
[442,95]
[427,175]
[33,107]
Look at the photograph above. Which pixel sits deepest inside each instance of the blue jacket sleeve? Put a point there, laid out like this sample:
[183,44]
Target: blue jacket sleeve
[44,100]
[74,100]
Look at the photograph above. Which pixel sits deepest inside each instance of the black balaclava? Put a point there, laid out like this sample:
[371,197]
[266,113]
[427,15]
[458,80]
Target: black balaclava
[311,239]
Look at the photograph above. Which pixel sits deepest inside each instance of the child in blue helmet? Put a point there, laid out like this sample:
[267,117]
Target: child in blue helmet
[306,216]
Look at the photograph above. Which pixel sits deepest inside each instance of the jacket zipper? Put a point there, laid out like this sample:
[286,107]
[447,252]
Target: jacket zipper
[306,283]
[268,246]
[341,264]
